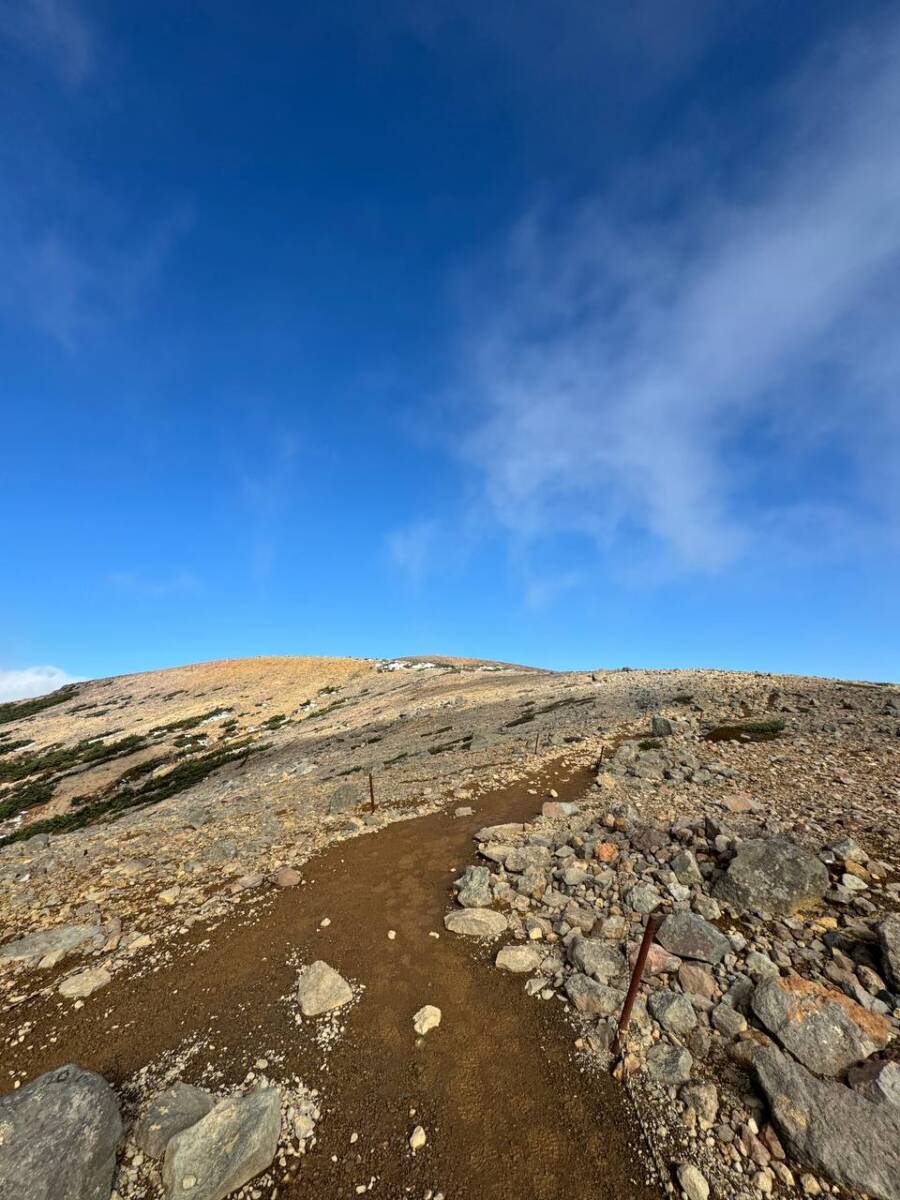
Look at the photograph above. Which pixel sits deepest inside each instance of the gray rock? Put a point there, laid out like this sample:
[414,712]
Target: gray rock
[877,1081]
[345,798]
[597,959]
[670,1065]
[594,998]
[519,959]
[85,982]
[321,989]
[55,943]
[476,922]
[703,1098]
[643,898]
[168,1113]
[728,1020]
[889,933]
[660,727]
[821,1027]
[690,936]
[693,1182]
[225,1149]
[473,888]
[499,833]
[58,1138]
[684,866]
[830,1127]
[774,876]
[673,1011]
[527,856]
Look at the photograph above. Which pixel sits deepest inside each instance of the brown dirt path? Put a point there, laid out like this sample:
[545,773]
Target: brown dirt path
[508,1113]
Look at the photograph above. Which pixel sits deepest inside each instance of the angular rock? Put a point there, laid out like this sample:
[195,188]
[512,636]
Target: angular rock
[693,1182]
[643,898]
[224,1150]
[728,1021]
[58,1138]
[519,959]
[168,1113]
[889,935]
[774,876]
[697,980]
[593,998]
[499,833]
[320,989]
[670,1065]
[597,959]
[660,727]
[690,936]
[673,1011]
[47,942]
[476,922]
[522,857]
[559,808]
[473,888]
[703,1098]
[877,1081]
[821,1027]
[345,798]
[685,868]
[84,983]
[830,1127]
[426,1019]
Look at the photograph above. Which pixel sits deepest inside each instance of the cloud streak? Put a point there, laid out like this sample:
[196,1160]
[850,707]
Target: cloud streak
[51,31]
[32,681]
[697,377]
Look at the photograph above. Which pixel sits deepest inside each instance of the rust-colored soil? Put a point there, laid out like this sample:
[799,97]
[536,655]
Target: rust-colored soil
[507,1109]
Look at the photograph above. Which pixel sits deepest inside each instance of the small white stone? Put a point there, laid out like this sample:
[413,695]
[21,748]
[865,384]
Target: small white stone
[354,1138]
[392,933]
[325,922]
[417,1139]
[426,1018]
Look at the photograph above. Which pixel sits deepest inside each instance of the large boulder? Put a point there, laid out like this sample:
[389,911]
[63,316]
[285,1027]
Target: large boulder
[51,945]
[690,936]
[168,1113]
[830,1127]
[58,1138]
[820,1026]
[225,1149]
[773,876]
[476,922]
[320,989]
[889,933]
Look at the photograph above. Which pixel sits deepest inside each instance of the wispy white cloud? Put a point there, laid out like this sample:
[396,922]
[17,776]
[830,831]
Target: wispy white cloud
[32,681]
[142,583]
[698,377]
[53,31]
[410,548]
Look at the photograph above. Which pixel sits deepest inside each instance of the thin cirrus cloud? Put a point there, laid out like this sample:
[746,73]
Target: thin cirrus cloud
[32,681]
[53,32]
[410,549]
[684,378]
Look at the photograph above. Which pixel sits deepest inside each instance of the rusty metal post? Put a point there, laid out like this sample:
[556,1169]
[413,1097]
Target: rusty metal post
[371,794]
[536,740]
[650,930]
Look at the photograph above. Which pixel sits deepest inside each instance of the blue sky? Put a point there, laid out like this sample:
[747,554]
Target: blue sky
[554,334]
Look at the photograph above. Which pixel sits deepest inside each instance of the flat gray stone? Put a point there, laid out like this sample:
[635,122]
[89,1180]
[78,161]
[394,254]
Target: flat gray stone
[670,1065]
[168,1113]
[821,1027]
[84,983]
[598,959]
[522,857]
[774,876]
[690,936]
[48,942]
[476,922]
[519,959]
[830,1127]
[58,1138]
[225,1149]
[673,1011]
[320,989]
[346,798]
[593,998]
[877,1081]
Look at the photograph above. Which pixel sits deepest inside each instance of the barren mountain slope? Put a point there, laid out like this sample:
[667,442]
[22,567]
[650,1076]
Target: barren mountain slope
[180,843]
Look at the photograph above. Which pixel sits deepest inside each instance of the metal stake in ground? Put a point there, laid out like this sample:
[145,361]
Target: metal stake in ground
[371,793]
[653,924]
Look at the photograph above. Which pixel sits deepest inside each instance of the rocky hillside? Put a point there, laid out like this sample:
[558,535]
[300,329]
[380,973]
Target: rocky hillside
[223,890]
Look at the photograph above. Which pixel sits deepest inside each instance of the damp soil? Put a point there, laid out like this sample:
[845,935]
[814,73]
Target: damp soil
[510,1109]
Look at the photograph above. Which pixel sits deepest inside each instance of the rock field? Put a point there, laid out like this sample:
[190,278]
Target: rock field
[141,818]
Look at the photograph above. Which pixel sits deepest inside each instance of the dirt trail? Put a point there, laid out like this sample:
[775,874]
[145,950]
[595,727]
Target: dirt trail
[508,1113]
